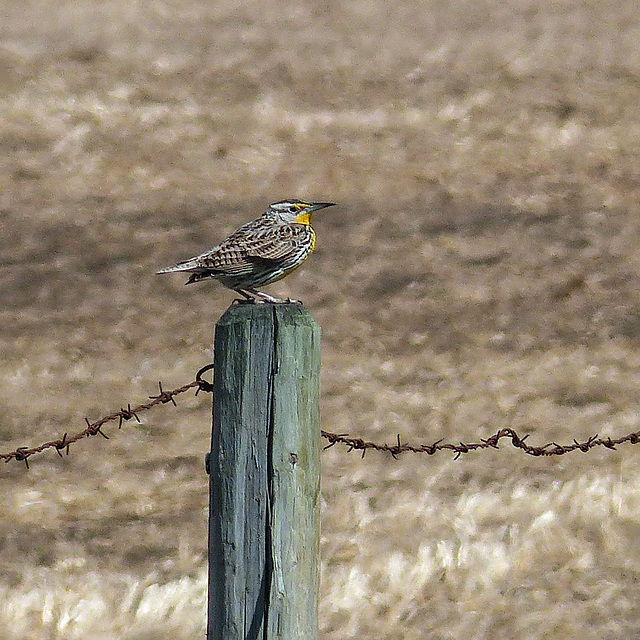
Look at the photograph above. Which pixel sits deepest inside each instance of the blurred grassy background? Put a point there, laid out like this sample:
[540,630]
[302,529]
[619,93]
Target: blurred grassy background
[481,271]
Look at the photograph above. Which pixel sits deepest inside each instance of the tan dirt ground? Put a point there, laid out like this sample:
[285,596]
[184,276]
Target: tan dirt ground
[481,271]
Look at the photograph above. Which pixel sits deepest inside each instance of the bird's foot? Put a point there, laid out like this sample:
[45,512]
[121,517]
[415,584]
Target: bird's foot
[263,297]
[246,297]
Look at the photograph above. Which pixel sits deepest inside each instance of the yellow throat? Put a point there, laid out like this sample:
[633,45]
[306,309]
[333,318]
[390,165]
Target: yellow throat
[304,218]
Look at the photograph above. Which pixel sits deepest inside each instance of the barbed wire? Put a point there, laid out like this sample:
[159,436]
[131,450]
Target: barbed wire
[22,454]
[549,449]
[94,428]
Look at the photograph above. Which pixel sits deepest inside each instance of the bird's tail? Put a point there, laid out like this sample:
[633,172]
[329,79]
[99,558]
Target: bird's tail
[187,265]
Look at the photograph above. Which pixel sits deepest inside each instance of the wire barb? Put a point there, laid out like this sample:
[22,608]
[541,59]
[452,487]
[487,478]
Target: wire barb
[127,414]
[163,396]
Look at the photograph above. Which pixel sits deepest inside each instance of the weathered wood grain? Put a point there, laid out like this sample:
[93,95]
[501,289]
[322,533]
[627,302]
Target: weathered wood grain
[265,475]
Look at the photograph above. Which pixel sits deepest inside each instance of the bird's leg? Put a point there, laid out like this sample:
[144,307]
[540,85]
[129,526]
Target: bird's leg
[265,297]
[247,299]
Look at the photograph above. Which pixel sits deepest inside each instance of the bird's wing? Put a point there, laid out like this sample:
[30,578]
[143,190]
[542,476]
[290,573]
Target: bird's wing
[240,252]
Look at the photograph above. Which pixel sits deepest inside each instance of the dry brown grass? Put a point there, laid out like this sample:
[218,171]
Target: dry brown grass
[482,270]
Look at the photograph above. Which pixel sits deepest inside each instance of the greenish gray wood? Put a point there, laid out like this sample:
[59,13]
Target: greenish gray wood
[265,475]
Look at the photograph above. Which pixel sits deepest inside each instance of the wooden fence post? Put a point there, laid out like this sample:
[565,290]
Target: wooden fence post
[264,466]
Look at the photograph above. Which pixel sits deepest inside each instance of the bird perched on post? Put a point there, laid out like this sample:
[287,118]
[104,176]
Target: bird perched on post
[259,252]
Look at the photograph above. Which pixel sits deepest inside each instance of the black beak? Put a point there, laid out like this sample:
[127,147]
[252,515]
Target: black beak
[322,205]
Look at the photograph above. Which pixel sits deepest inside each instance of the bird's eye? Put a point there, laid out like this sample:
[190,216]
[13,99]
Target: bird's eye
[293,209]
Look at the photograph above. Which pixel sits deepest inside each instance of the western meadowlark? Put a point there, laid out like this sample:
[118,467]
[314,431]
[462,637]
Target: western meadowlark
[260,252]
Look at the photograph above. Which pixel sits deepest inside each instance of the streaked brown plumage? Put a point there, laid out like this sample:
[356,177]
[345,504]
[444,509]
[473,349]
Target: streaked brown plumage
[260,252]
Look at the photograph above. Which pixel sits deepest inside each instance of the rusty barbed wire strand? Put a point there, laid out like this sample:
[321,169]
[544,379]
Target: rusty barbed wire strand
[23,454]
[549,449]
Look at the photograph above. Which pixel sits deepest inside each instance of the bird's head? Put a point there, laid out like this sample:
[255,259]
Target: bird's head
[297,211]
